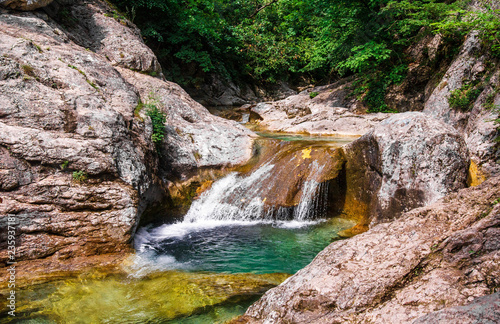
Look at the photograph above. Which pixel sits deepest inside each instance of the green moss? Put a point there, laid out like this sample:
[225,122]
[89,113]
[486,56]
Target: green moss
[465,97]
[138,108]
[64,165]
[92,84]
[28,69]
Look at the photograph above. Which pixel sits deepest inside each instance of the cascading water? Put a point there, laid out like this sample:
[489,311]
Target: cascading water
[238,239]
[271,218]
[241,198]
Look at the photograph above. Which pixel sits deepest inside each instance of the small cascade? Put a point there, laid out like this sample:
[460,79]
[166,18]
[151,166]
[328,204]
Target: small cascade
[268,217]
[291,185]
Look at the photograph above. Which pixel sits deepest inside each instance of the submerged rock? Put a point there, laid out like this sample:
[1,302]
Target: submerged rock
[409,160]
[431,258]
[101,298]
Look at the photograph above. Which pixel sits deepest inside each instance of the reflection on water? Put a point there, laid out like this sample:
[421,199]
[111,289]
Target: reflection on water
[157,298]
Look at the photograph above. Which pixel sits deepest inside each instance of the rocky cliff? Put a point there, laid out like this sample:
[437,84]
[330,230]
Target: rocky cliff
[437,260]
[78,167]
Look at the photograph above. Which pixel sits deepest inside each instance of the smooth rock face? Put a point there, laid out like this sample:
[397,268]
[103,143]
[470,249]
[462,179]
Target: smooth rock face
[485,310]
[24,4]
[65,108]
[443,255]
[93,26]
[409,160]
[194,138]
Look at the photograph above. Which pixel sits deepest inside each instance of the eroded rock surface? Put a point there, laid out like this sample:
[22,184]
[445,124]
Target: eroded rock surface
[194,137]
[431,258]
[320,115]
[484,310]
[78,166]
[477,125]
[409,160]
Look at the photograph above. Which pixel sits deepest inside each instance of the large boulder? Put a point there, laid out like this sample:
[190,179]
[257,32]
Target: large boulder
[77,164]
[194,138]
[409,160]
[443,255]
[24,5]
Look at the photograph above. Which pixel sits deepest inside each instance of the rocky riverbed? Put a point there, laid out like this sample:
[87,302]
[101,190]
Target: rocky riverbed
[82,165]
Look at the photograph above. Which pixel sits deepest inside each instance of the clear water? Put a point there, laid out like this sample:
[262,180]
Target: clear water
[206,269]
[336,140]
[236,247]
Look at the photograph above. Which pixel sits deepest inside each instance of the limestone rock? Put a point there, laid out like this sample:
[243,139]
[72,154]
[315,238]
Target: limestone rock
[24,5]
[409,160]
[434,257]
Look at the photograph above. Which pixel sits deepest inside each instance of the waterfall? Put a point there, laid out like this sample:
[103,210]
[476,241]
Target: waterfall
[245,198]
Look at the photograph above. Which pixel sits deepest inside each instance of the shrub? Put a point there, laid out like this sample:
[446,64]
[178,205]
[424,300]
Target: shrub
[80,176]
[64,165]
[313,94]
[158,119]
[464,97]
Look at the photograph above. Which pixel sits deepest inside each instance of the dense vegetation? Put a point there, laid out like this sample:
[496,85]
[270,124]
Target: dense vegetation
[314,40]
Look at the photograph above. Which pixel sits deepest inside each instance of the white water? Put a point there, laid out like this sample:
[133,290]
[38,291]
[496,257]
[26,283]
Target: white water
[236,200]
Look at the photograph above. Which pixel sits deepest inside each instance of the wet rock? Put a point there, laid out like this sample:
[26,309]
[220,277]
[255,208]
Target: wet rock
[409,160]
[431,258]
[24,4]
[78,167]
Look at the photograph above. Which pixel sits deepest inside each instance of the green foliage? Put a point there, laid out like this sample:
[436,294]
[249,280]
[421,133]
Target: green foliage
[296,39]
[158,119]
[64,165]
[486,22]
[80,176]
[313,94]
[285,39]
[465,97]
